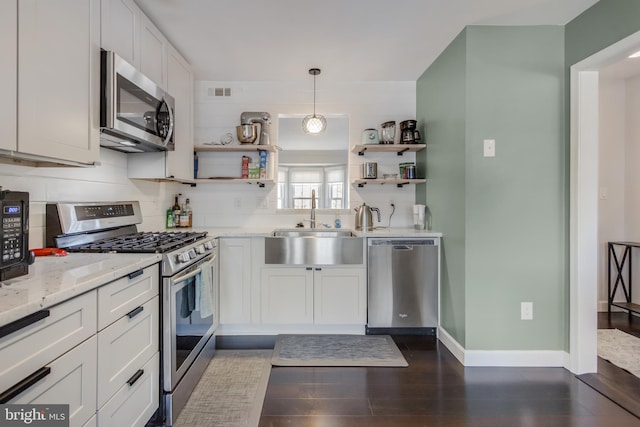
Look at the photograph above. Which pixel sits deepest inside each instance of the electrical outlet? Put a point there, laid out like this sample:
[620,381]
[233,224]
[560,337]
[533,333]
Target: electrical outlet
[489,147]
[262,203]
[526,311]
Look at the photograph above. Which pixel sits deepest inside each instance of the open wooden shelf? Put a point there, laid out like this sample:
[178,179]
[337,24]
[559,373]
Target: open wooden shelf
[234,148]
[396,182]
[260,182]
[387,148]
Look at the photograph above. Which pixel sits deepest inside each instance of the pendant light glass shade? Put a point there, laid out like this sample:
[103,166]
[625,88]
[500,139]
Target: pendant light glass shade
[314,124]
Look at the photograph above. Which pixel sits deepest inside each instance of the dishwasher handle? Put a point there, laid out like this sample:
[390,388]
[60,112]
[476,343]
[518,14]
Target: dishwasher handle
[403,243]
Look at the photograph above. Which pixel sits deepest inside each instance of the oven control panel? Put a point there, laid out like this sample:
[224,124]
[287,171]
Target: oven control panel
[188,255]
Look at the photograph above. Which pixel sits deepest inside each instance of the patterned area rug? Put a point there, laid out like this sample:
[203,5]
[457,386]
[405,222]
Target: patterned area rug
[230,392]
[621,349]
[337,350]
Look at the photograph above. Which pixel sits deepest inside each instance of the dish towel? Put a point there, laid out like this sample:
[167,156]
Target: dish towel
[204,283]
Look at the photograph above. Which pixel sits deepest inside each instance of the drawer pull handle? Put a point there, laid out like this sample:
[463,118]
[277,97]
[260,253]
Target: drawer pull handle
[133,313]
[135,274]
[309,268]
[135,377]
[318,269]
[23,323]
[24,384]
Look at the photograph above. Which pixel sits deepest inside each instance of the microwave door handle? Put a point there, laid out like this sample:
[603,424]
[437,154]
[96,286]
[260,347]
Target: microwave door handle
[170,131]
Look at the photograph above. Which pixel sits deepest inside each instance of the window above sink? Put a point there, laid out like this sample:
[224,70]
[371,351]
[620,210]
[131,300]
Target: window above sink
[313,162]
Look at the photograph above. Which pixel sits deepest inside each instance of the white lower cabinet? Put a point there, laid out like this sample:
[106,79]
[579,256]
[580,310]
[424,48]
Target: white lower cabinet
[340,295]
[314,295]
[287,295]
[128,349]
[135,401]
[97,352]
[45,336]
[71,380]
[235,280]
[124,347]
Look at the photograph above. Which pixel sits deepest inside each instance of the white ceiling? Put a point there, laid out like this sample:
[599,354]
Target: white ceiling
[350,40]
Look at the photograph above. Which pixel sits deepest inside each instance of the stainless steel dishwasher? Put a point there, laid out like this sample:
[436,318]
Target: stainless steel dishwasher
[403,285]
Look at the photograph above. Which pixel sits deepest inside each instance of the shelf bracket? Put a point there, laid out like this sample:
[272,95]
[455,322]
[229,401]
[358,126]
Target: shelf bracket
[361,184]
[401,152]
[400,184]
[261,184]
[361,152]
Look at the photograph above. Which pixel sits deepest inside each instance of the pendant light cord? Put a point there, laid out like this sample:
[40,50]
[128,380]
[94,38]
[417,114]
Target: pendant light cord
[314,95]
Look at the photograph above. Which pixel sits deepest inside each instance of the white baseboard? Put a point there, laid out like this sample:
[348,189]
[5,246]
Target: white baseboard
[511,358]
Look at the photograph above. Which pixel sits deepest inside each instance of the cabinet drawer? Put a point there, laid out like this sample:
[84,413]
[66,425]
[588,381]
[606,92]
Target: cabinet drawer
[32,347]
[133,405]
[123,295]
[124,347]
[71,381]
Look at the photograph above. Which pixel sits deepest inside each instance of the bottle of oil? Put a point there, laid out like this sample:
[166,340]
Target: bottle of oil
[189,213]
[184,215]
[176,212]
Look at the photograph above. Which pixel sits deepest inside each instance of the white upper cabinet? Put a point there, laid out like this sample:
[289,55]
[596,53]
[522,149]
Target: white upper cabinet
[180,86]
[174,165]
[120,29]
[130,33]
[153,52]
[8,71]
[51,51]
[127,31]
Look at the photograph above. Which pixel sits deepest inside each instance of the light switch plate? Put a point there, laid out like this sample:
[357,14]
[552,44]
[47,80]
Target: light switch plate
[489,147]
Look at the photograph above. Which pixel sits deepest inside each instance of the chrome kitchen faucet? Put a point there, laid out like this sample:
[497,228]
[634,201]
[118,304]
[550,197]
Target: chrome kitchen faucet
[313,209]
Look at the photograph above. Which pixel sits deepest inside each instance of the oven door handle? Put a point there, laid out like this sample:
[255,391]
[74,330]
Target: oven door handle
[186,276]
[192,273]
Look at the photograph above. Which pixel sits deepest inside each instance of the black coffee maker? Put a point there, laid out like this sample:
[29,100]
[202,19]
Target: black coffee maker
[408,132]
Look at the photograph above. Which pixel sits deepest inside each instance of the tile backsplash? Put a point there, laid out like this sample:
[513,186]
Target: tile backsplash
[367,105]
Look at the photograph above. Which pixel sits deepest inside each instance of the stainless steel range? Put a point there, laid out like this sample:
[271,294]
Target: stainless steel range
[189,293]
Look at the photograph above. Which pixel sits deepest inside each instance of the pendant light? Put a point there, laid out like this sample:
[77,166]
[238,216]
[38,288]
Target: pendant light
[314,124]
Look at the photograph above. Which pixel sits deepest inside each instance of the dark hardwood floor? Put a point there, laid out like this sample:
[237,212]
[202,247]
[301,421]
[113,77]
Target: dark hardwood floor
[613,382]
[435,390]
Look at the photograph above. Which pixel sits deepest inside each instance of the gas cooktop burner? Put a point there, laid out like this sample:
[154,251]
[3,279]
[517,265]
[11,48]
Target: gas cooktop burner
[143,242]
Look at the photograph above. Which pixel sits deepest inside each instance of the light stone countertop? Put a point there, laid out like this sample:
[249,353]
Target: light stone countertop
[52,280]
[267,231]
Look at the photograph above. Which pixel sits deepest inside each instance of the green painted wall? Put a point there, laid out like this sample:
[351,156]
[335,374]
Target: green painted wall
[605,23]
[514,209]
[502,217]
[505,220]
[441,114]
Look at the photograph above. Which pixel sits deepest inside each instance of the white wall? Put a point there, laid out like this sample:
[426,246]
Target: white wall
[632,176]
[619,175]
[106,182]
[367,104]
[632,160]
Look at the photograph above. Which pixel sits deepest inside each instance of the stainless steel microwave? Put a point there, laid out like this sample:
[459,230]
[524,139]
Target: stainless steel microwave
[136,115]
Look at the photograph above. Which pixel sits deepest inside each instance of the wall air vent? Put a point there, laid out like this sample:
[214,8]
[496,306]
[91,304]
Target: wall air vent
[219,91]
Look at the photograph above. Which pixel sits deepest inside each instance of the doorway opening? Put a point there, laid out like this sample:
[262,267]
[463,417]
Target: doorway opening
[585,193]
